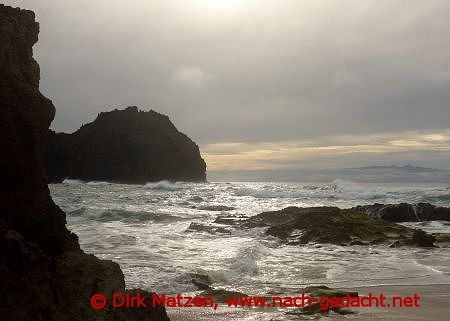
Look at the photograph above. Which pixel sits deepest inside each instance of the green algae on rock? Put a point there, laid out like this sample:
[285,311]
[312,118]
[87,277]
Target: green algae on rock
[294,225]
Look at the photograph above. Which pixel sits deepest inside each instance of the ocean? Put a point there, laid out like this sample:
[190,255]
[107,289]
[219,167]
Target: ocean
[146,229]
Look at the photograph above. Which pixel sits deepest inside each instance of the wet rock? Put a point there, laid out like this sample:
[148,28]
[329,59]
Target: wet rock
[208,228]
[204,282]
[332,225]
[405,212]
[318,292]
[321,292]
[126,146]
[201,281]
[422,239]
[442,239]
[79,275]
[324,291]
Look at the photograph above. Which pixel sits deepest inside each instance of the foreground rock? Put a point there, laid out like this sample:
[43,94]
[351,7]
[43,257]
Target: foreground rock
[442,239]
[405,212]
[204,283]
[127,146]
[323,292]
[43,273]
[294,225]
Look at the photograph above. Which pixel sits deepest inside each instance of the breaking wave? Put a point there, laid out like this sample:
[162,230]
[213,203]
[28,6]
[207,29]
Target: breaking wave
[268,193]
[95,183]
[110,215]
[165,186]
[347,190]
[72,181]
[123,222]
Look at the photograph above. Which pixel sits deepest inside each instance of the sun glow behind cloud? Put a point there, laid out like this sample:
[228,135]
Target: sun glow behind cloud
[222,5]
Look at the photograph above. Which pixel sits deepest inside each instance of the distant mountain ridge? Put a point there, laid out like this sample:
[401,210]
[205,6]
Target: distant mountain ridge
[125,146]
[407,167]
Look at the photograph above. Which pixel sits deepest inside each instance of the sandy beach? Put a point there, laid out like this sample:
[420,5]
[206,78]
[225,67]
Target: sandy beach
[434,306]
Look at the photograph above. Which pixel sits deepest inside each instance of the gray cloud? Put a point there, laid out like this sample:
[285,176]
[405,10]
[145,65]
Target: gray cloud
[251,71]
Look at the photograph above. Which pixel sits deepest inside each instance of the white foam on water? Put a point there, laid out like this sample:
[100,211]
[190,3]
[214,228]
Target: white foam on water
[72,181]
[165,186]
[143,228]
[245,262]
[428,267]
[97,183]
[123,215]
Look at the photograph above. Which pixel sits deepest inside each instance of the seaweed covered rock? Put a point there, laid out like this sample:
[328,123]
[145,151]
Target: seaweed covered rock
[327,299]
[294,225]
[127,146]
[43,273]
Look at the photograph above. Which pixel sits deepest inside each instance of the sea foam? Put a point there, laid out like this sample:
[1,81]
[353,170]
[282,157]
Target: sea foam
[165,186]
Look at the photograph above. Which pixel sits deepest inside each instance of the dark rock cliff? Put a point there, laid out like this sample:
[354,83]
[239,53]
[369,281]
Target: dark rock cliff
[43,273]
[128,146]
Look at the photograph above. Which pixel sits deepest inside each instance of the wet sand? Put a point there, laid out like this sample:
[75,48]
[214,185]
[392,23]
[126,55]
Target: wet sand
[434,306]
[434,303]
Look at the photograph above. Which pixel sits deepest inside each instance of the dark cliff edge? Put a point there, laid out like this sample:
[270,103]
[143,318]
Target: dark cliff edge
[43,273]
[125,146]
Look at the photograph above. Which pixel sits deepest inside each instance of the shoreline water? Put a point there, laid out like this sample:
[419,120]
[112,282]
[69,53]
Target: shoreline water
[124,223]
[433,299]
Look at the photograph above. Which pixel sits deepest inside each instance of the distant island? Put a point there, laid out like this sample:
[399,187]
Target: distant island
[125,146]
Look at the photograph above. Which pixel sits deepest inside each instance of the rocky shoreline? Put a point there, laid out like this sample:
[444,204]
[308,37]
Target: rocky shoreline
[360,225]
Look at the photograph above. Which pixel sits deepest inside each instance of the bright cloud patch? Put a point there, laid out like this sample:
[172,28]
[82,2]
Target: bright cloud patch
[189,76]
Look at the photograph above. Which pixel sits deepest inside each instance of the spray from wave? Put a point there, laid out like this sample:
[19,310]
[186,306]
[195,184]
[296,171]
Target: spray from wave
[165,186]
[69,181]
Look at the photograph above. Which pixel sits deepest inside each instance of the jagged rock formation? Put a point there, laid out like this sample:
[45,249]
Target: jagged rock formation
[43,273]
[405,212]
[294,225]
[128,146]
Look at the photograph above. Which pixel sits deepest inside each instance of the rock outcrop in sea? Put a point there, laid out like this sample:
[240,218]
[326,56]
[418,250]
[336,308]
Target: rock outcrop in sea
[43,273]
[125,146]
[405,212]
[295,225]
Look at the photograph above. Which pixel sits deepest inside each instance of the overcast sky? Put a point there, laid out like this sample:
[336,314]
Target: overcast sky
[260,84]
